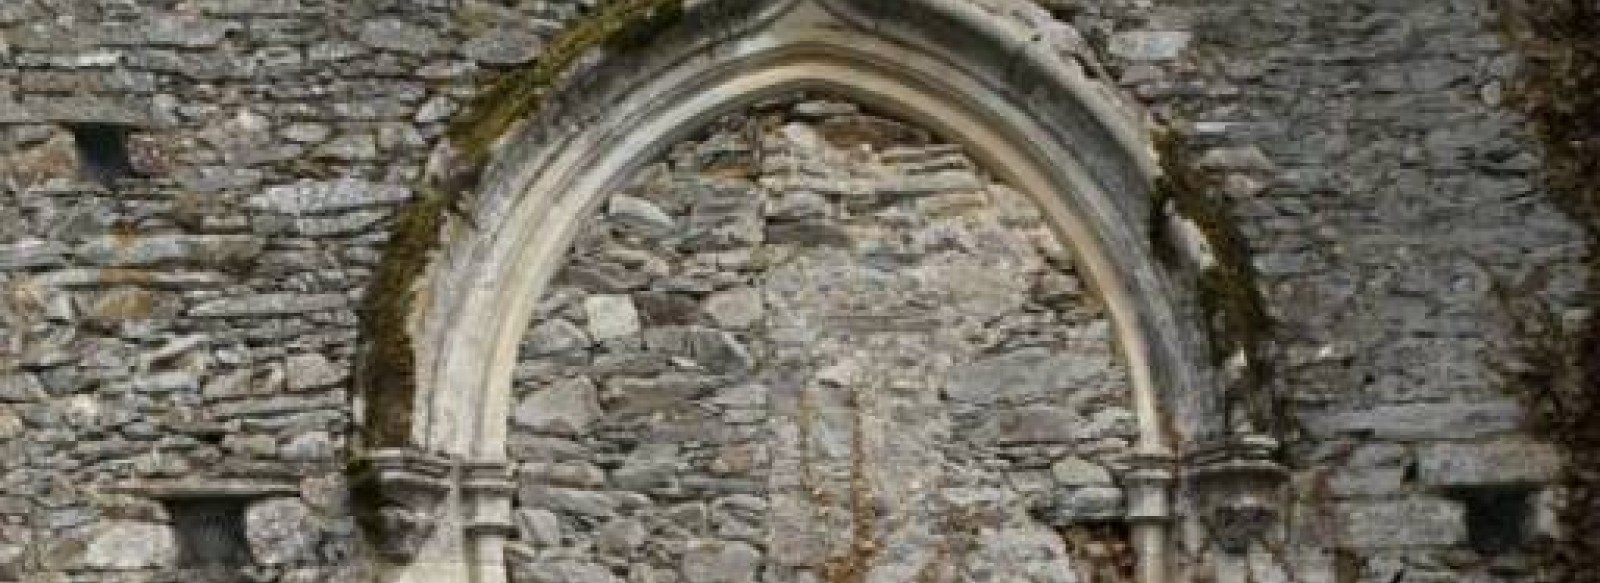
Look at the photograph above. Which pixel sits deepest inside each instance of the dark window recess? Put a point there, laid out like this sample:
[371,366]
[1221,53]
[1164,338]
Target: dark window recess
[103,152]
[211,538]
[1499,518]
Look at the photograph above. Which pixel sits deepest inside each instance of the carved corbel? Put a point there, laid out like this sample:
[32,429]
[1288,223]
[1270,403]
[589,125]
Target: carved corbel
[414,499]
[1239,485]
[403,495]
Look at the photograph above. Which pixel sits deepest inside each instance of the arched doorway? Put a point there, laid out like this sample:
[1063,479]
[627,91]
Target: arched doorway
[817,344]
[997,84]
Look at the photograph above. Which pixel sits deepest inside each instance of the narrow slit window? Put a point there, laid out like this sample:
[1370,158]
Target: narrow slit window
[211,537]
[103,152]
[1499,519]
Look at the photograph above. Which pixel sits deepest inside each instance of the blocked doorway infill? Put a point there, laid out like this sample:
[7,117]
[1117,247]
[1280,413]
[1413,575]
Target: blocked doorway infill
[817,344]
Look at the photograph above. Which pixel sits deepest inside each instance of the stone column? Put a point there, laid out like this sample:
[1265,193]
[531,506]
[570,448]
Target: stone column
[1148,486]
[487,488]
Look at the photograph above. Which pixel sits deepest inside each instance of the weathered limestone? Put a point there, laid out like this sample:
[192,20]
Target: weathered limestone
[282,531]
[309,197]
[1150,45]
[130,545]
[720,562]
[1402,523]
[611,317]
[565,408]
[1421,421]
[277,304]
[1498,463]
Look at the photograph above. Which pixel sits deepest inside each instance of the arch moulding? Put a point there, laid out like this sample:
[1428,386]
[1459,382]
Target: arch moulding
[997,76]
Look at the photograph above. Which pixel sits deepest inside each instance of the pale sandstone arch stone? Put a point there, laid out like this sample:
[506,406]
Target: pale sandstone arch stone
[1006,85]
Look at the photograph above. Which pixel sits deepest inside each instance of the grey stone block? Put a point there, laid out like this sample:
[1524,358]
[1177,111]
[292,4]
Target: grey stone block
[1403,523]
[1076,471]
[1419,421]
[713,561]
[1150,45]
[277,304]
[209,250]
[1094,503]
[567,407]
[1018,377]
[503,47]
[393,34]
[611,317]
[124,544]
[282,531]
[31,253]
[314,197]
[1480,464]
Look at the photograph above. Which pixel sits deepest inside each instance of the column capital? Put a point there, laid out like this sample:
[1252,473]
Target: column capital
[1148,483]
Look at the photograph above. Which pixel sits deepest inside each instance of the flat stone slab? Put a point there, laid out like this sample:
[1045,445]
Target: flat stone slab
[312,197]
[125,544]
[1403,523]
[124,251]
[611,317]
[210,488]
[1482,464]
[1419,421]
[273,304]
[1150,45]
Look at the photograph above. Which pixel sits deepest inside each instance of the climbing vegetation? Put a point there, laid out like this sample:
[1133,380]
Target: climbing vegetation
[387,372]
[619,25]
[1234,315]
[1558,374]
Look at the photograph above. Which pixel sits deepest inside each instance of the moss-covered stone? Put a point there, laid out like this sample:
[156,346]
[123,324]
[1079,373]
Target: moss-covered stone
[1234,314]
[519,93]
[388,375]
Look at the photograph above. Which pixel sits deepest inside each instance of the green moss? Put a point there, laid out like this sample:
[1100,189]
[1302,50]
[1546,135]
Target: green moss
[619,25]
[1235,316]
[388,375]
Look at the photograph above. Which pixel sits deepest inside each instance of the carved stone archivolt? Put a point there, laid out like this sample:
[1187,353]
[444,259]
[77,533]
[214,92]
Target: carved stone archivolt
[1014,113]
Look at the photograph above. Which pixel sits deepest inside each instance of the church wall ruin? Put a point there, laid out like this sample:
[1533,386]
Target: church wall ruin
[817,344]
[194,196]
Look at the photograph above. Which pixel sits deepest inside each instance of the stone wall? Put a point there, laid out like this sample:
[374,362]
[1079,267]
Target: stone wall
[189,319]
[817,344]
[1386,191]
[182,322]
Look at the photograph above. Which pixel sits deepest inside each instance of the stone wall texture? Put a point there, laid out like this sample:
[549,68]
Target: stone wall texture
[817,340]
[810,343]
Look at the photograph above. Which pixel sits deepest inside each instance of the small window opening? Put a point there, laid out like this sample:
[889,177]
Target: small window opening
[103,152]
[212,547]
[1499,519]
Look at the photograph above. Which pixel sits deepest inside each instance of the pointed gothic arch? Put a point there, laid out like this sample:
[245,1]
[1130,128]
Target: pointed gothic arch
[995,76]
